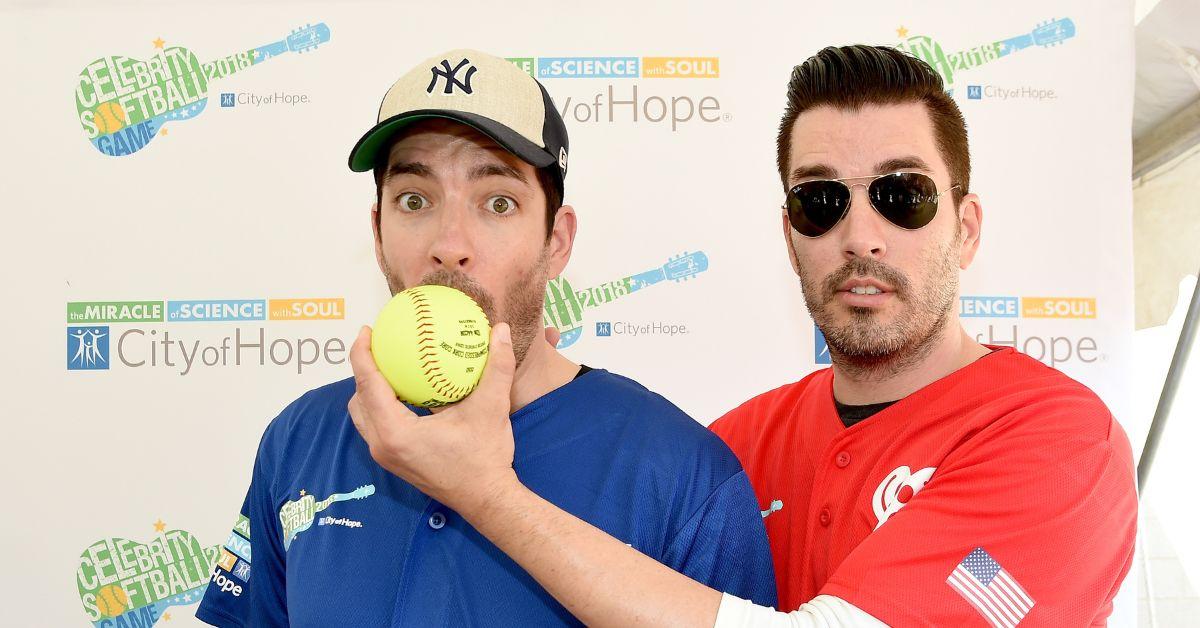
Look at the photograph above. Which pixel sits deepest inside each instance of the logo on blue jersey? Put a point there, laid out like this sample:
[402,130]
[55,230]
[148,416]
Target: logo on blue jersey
[820,347]
[239,546]
[87,348]
[298,515]
[242,570]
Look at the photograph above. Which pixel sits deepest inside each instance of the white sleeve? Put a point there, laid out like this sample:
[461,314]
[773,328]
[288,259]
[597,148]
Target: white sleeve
[823,611]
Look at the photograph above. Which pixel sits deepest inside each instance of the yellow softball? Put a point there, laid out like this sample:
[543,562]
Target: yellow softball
[430,343]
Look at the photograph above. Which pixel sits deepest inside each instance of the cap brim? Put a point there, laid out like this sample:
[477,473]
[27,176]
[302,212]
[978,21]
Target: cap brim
[365,153]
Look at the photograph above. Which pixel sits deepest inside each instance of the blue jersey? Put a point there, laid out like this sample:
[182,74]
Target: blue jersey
[336,540]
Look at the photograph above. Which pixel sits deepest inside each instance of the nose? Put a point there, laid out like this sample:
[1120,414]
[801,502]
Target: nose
[862,230]
[452,247]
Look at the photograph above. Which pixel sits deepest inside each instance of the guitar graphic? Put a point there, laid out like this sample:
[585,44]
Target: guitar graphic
[563,306]
[298,516]
[123,103]
[124,582]
[930,51]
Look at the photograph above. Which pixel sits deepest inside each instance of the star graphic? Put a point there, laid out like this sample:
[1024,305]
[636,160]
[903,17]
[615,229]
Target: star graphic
[303,492]
[187,597]
[183,114]
[256,53]
[1002,46]
[902,32]
[158,43]
[166,617]
[159,526]
[162,131]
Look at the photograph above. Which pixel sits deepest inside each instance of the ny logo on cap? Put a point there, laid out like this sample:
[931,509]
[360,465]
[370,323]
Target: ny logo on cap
[451,76]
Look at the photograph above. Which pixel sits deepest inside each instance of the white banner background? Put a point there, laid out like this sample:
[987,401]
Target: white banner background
[256,202]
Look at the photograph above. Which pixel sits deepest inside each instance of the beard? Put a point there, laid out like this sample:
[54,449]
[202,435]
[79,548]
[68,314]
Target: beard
[521,303]
[863,345]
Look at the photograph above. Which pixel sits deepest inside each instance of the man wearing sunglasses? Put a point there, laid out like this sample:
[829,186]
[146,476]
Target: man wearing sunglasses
[924,479]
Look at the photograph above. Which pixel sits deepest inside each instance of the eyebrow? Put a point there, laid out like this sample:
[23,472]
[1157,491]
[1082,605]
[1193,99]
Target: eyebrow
[414,168]
[819,171]
[823,171]
[419,169]
[497,170]
[909,162]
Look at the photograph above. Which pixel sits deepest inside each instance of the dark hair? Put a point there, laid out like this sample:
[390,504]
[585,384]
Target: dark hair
[545,178]
[849,77]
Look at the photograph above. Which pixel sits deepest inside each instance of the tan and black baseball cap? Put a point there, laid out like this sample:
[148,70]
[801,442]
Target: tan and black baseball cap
[488,93]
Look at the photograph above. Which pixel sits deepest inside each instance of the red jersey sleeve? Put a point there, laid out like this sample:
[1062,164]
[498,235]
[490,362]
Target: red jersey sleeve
[1042,503]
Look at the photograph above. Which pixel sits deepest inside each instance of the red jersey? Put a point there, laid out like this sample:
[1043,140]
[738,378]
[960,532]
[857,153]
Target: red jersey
[1001,494]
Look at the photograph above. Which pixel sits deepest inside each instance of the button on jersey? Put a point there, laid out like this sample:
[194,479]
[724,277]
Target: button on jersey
[1005,458]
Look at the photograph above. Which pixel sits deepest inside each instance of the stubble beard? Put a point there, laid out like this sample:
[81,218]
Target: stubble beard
[862,346]
[522,301]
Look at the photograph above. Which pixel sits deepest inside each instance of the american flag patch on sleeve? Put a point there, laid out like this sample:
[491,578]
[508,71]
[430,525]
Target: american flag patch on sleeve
[982,582]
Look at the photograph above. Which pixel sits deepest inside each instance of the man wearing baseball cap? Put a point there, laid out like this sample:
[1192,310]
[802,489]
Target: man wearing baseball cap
[470,158]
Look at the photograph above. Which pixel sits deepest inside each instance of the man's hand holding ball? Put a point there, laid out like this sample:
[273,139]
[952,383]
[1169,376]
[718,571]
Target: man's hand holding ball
[462,456]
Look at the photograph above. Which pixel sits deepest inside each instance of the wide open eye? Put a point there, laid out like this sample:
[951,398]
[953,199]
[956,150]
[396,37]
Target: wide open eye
[500,204]
[411,201]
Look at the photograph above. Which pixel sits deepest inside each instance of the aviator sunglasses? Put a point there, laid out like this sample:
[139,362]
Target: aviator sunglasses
[908,200]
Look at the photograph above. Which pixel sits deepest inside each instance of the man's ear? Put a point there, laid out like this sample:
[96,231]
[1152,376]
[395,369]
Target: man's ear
[791,246]
[375,230]
[562,239]
[970,223]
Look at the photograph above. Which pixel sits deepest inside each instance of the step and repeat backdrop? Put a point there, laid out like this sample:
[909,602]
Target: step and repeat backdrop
[186,251]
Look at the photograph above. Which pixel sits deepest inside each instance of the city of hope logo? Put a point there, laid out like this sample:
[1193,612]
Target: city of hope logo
[134,335]
[564,306]
[124,103]
[87,348]
[948,65]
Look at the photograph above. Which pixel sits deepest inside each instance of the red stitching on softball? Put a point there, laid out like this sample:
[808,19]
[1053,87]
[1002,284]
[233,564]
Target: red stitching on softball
[428,350]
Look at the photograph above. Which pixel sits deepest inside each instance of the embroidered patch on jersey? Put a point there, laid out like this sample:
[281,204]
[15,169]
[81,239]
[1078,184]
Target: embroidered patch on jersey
[297,516]
[775,506]
[896,490]
[990,589]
